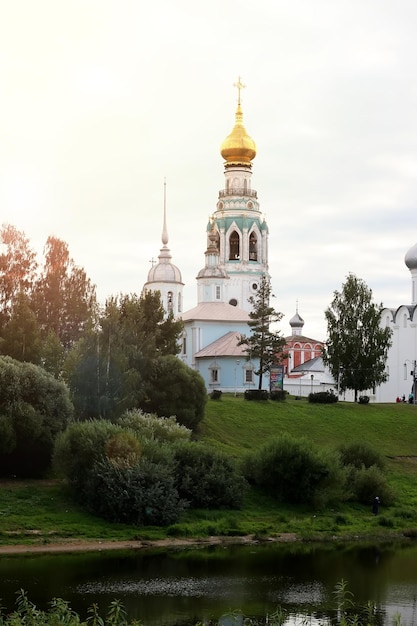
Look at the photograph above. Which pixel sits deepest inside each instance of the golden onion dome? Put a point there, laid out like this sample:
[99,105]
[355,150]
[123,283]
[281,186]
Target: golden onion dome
[238,148]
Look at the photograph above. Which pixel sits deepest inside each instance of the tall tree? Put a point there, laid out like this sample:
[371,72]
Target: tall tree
[18,267]
[108,369]
[263,343]
[21,337]
[357,346]
[64,297]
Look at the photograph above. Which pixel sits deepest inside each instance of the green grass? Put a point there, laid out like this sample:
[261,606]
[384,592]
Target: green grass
[42,512]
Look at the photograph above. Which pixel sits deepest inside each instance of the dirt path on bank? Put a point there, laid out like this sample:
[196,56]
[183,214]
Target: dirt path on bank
[98,546]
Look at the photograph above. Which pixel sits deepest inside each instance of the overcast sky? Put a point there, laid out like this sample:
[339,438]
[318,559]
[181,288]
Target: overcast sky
[102,99]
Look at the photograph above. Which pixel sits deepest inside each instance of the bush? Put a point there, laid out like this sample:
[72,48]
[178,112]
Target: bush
[291,470]
[216,394]
[81,446]
[366,483]
[149,427]
[256,394]
[363,399]
[360,455]
[207,478]
[173,388]
[144,494]
[34,408]
[322,397]
[279,395]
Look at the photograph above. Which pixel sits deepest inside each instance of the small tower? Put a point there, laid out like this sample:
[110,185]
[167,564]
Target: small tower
[297,324]
[212,278]
[237,229]
[411,262]
[164,276]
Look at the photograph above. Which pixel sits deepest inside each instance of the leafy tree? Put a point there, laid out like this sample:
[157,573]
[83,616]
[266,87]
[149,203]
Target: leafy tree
[357,347]
[263,343]
[18,267]
[173,388]
[34,408]
[21,337]
[108,369]
[64,297]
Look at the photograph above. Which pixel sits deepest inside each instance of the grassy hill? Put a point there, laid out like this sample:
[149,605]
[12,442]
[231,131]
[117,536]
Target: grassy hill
[42,513]
[236,425]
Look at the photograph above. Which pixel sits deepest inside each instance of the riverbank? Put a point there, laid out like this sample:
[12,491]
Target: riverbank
[98,546]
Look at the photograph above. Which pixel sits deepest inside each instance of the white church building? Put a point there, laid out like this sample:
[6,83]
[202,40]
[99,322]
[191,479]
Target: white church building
[236,259]
[401,362]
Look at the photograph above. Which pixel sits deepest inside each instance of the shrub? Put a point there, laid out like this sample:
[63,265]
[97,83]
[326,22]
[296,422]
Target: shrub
[149,427]
[81,446]
[279,395]
[256,394]
[144,494]
[216,394]
[34,408]
[360,455]
[366,483]
[322,397]
[292,470]
[208,478]
[123,449]
[363,399]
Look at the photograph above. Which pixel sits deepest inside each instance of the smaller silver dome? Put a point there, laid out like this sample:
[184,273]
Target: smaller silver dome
[411,258]
[296,321]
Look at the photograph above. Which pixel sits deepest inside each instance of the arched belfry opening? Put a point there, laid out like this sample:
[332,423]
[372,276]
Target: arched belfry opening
[234,246]
[253,247]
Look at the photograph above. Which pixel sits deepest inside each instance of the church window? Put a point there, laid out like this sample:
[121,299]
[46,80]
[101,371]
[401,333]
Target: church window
[248,376]
[233,302]
[184,345]
[170,298]
[214,375]
[253,247]
[179,303]
[234,246]
[217,292]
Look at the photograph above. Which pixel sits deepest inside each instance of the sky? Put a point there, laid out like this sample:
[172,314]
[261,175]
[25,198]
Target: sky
[101,100]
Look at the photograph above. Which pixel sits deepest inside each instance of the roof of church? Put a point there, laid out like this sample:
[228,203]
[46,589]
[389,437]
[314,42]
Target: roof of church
[303,339]
[313,365]
[217,312]
[224,346]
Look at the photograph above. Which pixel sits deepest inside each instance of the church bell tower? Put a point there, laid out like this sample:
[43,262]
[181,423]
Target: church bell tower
[237,235]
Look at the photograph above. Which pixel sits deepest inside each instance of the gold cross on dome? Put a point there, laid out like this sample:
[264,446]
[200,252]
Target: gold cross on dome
[239,85]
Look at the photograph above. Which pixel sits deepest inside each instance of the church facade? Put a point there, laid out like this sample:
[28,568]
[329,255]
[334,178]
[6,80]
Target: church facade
[236,259]
[401,363]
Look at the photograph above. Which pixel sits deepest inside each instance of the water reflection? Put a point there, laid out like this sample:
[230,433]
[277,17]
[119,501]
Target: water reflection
[200,584]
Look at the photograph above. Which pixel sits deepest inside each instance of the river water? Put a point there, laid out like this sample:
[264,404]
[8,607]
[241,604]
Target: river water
[183,586]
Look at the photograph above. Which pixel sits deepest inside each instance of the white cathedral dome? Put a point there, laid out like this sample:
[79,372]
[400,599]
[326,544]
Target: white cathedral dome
[164,271]
[411,258]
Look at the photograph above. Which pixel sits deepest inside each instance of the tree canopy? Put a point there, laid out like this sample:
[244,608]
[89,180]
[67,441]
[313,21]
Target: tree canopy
[263,343]
[357,346]
[34,408]
[113,367]
[44,307]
